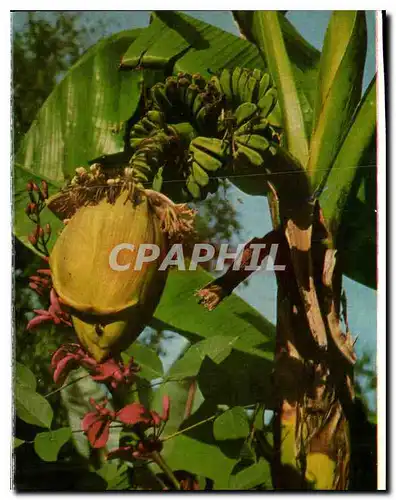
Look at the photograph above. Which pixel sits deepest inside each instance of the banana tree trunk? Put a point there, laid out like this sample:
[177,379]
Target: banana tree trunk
[313,360]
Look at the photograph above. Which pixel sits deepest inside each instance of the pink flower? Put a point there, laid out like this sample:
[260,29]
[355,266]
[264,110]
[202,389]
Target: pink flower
[96,424]
[54,314]
[41,282]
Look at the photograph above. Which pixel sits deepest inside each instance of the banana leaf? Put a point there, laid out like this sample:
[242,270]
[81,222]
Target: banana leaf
[339,88]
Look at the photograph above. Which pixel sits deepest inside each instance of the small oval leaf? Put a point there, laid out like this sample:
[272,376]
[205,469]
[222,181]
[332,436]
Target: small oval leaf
[24,377]
[32,408]
[48,444]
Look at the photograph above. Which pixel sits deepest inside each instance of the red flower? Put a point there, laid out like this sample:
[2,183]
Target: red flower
[134,413]
[137,414]
[115,373]
[71,356]
[54,313]
[68,357]
[96,424]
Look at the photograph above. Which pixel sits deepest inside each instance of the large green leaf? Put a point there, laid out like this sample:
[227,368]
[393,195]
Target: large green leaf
[349,197]
[179,42]
[217,348]
[339,87]
[83,118]
[180,311]
[232,424]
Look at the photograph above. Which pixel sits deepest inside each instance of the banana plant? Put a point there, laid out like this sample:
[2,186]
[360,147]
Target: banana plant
[161,114]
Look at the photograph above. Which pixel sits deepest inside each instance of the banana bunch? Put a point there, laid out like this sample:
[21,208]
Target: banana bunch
[253,136]
[190,98]
[151,123]
[149,157]
[231,120]
[206,157]
[242,85]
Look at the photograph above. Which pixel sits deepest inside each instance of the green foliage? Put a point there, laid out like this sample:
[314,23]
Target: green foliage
[217,348]
[179,42]
[349,196]
[41,53]
[31,407]
[17,442]
[149,362]
[24,377]
[251,477]
[232,424]
[48,444]
[116,476]
[340,88]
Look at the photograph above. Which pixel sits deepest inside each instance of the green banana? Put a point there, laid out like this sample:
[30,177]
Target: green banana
[148,124]
[199,174]
[199,102]
[251,90]
[135,141]
[171,88]
[257,74]
[205,160]
[160,99]
[252,156]
[226,84]
[215,82]
[267,102]
[245,112]
[265,84]
[256,125]
[202,118]
[156,117]
[199,81]
[191,93]
[212,146]
[242,84]
[193,188]
[158,180]
[182,86]
[234,82]
[253,141]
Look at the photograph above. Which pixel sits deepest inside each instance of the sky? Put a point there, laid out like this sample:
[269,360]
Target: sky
[253,211]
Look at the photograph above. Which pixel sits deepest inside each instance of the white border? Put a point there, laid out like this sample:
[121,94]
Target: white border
[381,292]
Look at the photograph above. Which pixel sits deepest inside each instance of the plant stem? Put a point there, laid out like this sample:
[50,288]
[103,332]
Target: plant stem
[64,386]
[165,468]
[191,427]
